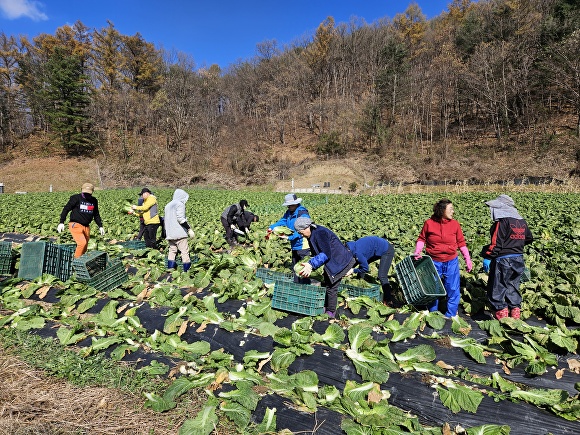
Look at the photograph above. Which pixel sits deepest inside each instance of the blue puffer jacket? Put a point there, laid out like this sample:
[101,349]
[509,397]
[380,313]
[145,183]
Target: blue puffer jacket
[366,250]
[287,220]
[328,250]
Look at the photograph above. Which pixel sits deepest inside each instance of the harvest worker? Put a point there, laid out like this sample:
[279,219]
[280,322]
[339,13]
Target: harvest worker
[327,251]
[246,219]
[150,213]
[503,258]
[298,244]
[83,208]
[141,222]
[229,219]
[372,248]
[177,230]
[442,236]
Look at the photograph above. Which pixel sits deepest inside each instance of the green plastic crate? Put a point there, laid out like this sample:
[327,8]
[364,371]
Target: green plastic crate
[419,280]
[89,264]
[526,275]
[32,257]
[133,244]
[373,291]
[298,298]
[109,278]
[66,254]
[6,258]
[37,258]
[269,275]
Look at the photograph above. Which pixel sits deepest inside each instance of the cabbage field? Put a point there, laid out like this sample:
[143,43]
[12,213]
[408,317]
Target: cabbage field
[374,369]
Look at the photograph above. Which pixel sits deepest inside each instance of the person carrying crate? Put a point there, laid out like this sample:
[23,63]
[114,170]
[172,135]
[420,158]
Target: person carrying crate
[327,251]
[372,248]
[83,208]
[441,236]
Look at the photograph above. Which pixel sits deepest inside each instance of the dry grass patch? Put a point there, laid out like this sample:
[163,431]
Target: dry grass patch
[33,403]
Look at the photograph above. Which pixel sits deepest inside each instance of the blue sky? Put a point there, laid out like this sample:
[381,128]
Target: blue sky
[211,32]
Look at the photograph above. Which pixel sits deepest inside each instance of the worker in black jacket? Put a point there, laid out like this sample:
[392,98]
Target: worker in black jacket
[83,208]
[229,219]
[503,258]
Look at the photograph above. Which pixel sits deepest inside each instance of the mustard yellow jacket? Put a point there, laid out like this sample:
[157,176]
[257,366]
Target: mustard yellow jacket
[149,211]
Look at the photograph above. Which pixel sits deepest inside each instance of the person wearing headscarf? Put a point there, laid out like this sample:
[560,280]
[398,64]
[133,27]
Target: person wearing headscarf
[150,212]
[503,258]
[298,244]
[229,220]
[177,230]
[328,251]
[83,208]
[441,236]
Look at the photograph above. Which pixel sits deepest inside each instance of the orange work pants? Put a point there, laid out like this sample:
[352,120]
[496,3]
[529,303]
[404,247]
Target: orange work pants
[81,234]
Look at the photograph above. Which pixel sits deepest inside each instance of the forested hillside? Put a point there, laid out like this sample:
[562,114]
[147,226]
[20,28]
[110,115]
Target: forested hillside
[487,90]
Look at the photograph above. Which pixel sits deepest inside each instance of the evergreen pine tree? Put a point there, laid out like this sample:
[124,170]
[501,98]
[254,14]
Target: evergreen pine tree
[66,93]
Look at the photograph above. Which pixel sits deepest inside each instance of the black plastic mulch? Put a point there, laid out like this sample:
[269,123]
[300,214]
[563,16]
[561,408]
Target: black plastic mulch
[408,391]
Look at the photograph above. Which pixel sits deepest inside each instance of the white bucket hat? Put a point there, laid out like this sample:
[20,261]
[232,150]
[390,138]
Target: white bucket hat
[291,199]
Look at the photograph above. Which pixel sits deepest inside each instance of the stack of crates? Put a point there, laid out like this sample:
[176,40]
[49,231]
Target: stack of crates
[97,270]
[37,258]
[6,258]
[419,280]
[298,298]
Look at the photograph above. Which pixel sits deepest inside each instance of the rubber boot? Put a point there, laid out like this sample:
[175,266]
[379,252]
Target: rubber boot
[171,264]
[186,266]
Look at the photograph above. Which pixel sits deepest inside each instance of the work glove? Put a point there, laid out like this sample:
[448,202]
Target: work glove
[133,206]
[350,272]
[283,236]
[268,233]
[232,226]
[486,264]
[247,230]
[467,258]
[102,231]
[418,249]
[190,233]
[60,228]
[468,264]
[306,271]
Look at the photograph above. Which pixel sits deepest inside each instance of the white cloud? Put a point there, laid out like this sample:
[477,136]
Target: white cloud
[13,9]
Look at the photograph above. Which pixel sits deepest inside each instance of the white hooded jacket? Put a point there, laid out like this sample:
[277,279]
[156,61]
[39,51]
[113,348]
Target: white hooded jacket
[175,216]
